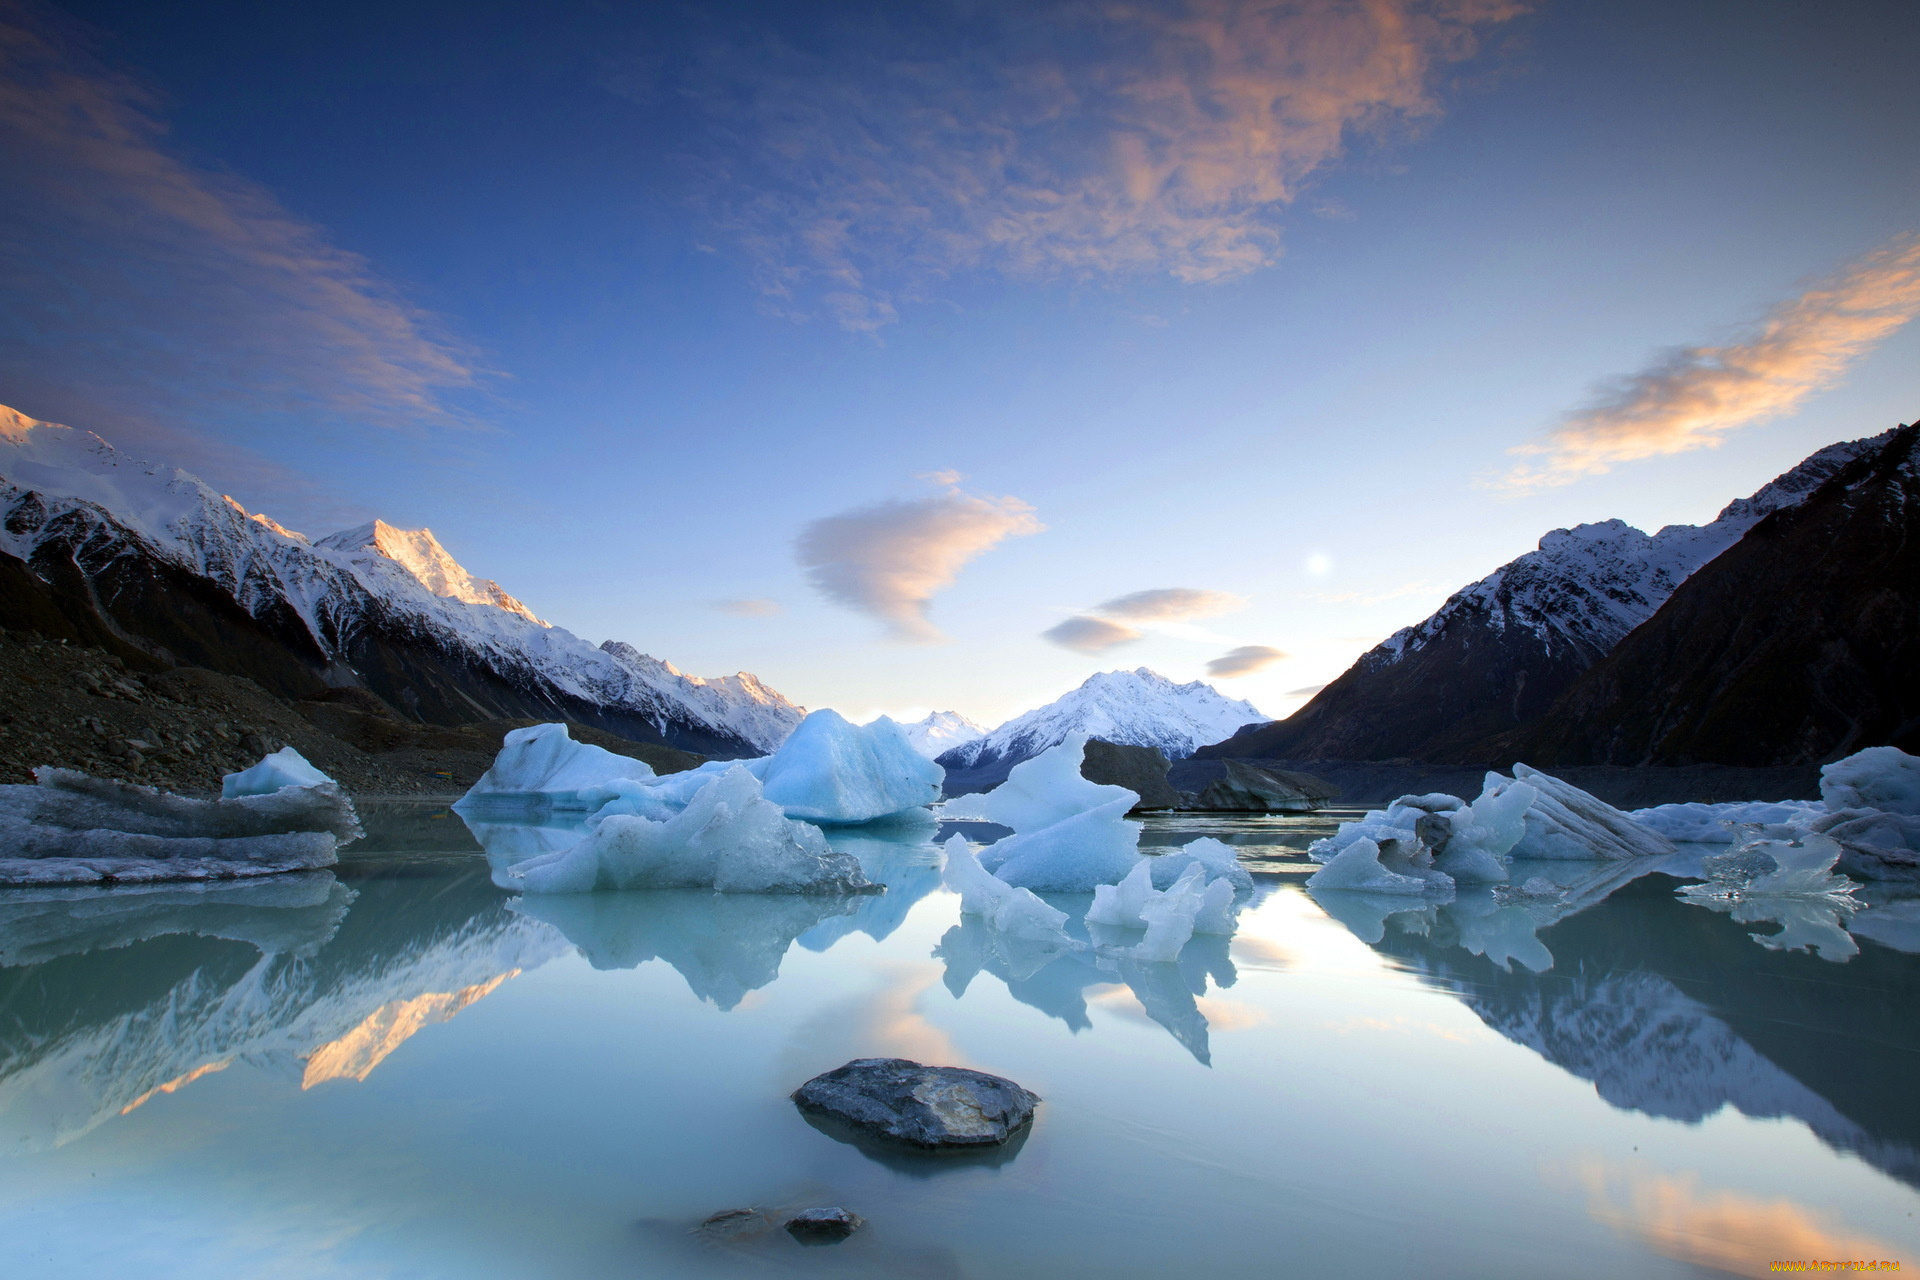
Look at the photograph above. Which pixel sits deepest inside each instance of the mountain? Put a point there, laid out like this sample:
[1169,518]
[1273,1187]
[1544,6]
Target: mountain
[941,731]
[1497,654]
[1139,708]
[153,565]
[1799,644]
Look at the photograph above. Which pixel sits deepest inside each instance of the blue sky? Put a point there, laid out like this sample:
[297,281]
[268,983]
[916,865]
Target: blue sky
[858,345]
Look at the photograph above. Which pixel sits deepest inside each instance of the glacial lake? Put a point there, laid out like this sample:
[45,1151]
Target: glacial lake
[398,1069]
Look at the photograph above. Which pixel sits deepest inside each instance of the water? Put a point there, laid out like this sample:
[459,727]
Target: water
[400,1070]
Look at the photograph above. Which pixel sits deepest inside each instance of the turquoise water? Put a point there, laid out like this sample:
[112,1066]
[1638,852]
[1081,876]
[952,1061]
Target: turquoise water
[398,1069]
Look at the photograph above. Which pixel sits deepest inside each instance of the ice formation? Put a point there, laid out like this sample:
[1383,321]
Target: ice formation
[1069,834]
[541,765]
[1392,866]
[1698,823]
[1192,904]
[1565,822]
[71,828]
[1874,845]
[1883,778]
[1012,911]
[1773,861]
[834,772]
[1217,859]
[1420,838]
[729,838]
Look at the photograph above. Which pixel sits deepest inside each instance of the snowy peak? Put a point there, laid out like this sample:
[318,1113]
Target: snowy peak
[941,731]
[420,554]
[741,702]
[1140,708]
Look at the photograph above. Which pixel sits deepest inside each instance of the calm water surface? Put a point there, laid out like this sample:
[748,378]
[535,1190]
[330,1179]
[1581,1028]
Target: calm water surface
[401,1070]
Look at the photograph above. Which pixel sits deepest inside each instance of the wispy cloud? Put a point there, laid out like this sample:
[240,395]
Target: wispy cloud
[136,279]
[749,607]
[1063,140]
[1170,604]
[889,560]
[1244,661]
[1090,635]
[1306,692]
[1693,396]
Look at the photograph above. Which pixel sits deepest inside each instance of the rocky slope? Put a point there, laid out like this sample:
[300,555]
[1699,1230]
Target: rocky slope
[1498,653]
[1139,708]
[1800,643]
[156,567]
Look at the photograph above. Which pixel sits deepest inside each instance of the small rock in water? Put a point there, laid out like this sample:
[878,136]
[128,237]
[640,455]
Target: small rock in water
[937,1108]
[824,1226]
[730,1224]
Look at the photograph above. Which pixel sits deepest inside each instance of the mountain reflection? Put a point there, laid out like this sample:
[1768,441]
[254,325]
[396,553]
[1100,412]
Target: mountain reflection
[109,996]
[1671,1011]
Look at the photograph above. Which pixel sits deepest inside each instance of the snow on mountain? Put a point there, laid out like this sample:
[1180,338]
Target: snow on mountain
[941,731]
[1587,586]
[72,487]
[1139,708]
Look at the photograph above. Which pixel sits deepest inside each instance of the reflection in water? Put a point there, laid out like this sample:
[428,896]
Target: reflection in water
[902,858]
[1672,1012]
[354,1055]
[114,996]
[1720,1230]
[723,944]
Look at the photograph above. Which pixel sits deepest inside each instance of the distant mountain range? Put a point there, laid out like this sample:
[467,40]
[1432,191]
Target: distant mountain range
[1783,632]
[1140,708]
[941,731]
[152,564]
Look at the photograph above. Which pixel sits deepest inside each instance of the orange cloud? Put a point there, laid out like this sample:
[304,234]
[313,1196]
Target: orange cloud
[1171,604]
[1244,661]
[1719,1230]
[1077,141]
[1694,396]
[1090,635]
[890,559]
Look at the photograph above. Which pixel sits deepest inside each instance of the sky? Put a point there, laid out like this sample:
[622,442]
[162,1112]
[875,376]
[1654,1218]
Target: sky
[937,355]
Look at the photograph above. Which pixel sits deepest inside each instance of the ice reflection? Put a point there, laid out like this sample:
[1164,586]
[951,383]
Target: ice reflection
[1055,979]
[113,996]
[902,857]
[723,944]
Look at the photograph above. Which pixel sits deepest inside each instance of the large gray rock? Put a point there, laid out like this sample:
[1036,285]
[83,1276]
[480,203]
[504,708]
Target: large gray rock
[1246,788]
[935,1108]
[1141,770]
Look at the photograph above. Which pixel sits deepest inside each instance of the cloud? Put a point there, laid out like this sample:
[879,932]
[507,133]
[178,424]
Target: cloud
[1244,661]
[1307,692]
[138,282]
[1090,635]
[750,607]
[1693,396]
[1170,604]
[1059,140]
[890,559]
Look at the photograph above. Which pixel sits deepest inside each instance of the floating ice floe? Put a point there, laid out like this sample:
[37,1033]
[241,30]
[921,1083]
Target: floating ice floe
[71,828]
[1069,834]
[1883,778]
[1013,911]
[1699,823]
[1773,862]
[1565,822]
[1192,904]
[1214,857]
[542,766]
[729,838]
[1419,838]
[835,772]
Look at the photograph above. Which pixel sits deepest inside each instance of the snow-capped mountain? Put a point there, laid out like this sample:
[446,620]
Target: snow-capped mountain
[1140,708]
[186,574]
[1499,651]
[941,731]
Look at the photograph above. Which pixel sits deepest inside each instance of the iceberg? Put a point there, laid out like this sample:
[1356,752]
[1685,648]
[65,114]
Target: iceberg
[1217,858]
[542,766]
[71,828]
[1874,845]
[1773,861]
[1465,843]
[1884,778]
[1069,834]
[1191,904]
[1012,911]
[1565,822]
[729,838]
[831,771]
[1393,867]
[1698,823]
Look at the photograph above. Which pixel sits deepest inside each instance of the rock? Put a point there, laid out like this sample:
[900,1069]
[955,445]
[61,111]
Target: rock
[1141,770]
[932,1108]
[1246,788]
[732,1224]
[823,1226]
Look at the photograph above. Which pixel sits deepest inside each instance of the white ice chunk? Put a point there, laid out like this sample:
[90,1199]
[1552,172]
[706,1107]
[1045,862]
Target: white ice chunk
[1469,842]
[1874,844]
[1039,792]
[1878,778]
[729,838]
[1216,857]
[542,765]
[1070,856]
[1699,823]
[70,828]
[1118,905]
[1170,917]
[1565,822]
[1773,862]
[834,772]
[284,768]
[1364,865]
[1015,912]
